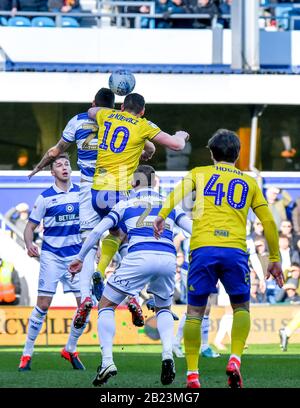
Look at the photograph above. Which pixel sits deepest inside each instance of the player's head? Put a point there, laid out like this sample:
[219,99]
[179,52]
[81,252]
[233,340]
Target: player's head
[134,103]
[61,167]
[105,98]
[144,176]
[224,146]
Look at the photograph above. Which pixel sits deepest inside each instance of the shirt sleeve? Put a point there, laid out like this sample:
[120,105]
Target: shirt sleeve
[176,196]
[69,131]
[38,211]
[99,116]
[258,198]
[117,212]
[150,130]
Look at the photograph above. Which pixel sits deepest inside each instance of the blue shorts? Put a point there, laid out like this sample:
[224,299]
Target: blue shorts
[103,201]
[208,264]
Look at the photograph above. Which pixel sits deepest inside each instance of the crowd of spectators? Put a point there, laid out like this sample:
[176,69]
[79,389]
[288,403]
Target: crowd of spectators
[274,14]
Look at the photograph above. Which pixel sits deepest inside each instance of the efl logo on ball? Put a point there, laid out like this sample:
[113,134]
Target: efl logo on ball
[121,82]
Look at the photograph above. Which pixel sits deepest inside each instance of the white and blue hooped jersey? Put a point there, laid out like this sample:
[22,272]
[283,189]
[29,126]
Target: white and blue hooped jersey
[84,131]
[59,211]
[138,214]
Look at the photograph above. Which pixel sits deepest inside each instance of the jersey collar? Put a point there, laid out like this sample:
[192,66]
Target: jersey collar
[58,190]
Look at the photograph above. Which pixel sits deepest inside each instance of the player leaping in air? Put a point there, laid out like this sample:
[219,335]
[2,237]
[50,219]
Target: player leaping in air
[224,195]
[122,138]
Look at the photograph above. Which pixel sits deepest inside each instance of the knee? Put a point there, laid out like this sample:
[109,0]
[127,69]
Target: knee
[240,306]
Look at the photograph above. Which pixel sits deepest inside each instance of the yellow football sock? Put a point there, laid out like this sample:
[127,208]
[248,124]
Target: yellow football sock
[293,325]
[110,245]
[192,341]
[240,330]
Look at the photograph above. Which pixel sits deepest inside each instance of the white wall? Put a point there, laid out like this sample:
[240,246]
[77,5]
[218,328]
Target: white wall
[111,45]
[160,88]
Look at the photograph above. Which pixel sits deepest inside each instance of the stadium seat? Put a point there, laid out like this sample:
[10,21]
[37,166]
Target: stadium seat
[19,22]
[42,22]
[69,22]
[3,21]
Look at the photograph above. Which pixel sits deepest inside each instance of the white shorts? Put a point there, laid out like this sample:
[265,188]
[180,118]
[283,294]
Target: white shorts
[140,268]
[53,270]
[88,217]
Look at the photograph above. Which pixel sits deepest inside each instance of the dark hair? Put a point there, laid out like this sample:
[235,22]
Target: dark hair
[105,98]
[134,103]
[64,155]
[283,236]
[144,176]
[224,145]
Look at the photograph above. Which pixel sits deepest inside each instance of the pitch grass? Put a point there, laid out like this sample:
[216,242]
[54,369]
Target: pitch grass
[264,366]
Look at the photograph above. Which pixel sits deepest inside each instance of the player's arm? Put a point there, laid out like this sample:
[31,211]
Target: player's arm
[32,249]
[148,152]
[93,238]
[174,198]
[175,142]
[50,155]
[270,230]
[92,112]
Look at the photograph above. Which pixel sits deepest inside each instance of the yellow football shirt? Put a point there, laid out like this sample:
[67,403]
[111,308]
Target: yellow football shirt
[224,195]
[121,140]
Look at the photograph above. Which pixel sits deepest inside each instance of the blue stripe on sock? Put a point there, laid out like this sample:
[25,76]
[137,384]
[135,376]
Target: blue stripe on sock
[104,309]
[42,312]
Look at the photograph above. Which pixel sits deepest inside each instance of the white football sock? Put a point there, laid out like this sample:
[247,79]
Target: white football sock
[179,334]
[204,333]
[35,324]
[85,276]
[106,333]
[165,326]
[74,336]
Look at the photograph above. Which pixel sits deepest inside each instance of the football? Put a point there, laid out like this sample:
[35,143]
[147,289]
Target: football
[121,82]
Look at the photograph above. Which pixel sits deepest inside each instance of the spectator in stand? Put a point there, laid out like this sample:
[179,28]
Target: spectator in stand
[256,295]
[293,273]
[287,254]
[286,228]
[263,255]
[225,8]
[10,285]
[278,205]
[180,7]
[30,5]
[288,293]
[64,6]
[258,232]
[296,217]
[161,7]
[204,7]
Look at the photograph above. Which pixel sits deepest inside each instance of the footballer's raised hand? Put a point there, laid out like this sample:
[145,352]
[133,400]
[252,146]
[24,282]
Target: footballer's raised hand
[274,269]
[33,251]
[158,226]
